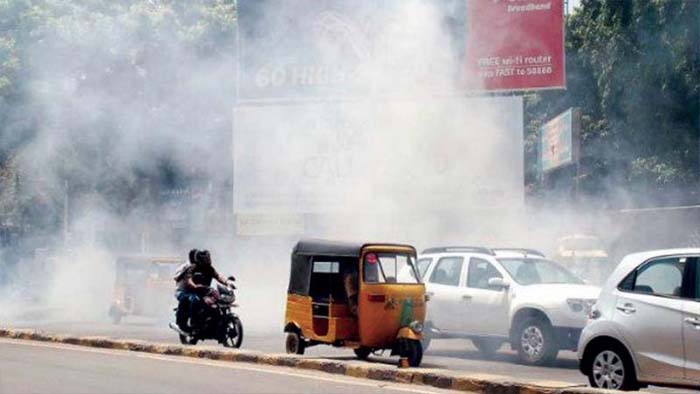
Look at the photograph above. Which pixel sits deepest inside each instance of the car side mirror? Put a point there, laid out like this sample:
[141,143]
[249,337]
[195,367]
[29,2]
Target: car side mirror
[498,283]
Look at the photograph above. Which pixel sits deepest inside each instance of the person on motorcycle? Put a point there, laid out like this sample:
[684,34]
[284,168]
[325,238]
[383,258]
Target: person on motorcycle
[188,292]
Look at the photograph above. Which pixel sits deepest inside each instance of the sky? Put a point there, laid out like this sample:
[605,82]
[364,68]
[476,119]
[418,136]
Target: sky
[573,4]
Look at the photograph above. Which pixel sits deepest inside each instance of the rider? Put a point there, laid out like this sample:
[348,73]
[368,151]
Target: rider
[350,284]
[188,293]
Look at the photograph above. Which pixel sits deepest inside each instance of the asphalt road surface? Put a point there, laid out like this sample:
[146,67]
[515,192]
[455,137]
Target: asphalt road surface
[453,354]
[33,367]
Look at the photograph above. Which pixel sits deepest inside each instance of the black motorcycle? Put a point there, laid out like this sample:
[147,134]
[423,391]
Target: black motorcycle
[214,319]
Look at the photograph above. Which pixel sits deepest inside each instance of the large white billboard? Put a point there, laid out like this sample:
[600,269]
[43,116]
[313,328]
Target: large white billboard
[378,156]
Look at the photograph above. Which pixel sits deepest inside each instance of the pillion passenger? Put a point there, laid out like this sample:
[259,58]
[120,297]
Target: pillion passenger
[194,281]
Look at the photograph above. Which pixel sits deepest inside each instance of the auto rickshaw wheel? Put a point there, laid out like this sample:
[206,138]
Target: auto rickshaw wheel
[414,352]
[294,343]
[362,352]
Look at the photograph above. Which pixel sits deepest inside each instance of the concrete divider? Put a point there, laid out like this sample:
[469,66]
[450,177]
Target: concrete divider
[446,379]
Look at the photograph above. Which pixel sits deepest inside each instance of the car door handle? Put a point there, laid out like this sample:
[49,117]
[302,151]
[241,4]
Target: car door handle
[466,297]
[627,308]
[693,321]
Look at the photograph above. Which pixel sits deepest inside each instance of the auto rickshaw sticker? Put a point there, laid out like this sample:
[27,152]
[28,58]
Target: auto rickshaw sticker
[406,316]
[390,304]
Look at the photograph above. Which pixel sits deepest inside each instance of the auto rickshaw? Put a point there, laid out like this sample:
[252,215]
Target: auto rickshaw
[585,255]
[143,286]
[367,297]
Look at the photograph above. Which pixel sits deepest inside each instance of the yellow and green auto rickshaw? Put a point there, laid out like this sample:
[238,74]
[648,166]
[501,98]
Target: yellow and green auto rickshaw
[143,286]
[367,297]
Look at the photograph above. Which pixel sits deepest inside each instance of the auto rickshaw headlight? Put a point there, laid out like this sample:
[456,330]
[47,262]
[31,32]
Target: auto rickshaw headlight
[416,326]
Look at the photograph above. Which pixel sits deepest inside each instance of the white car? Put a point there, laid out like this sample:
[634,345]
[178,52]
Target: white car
[645,328]
[493,296]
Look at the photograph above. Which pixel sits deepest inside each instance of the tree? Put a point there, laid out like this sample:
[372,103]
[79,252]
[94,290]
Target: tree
[102,95]
[634,69]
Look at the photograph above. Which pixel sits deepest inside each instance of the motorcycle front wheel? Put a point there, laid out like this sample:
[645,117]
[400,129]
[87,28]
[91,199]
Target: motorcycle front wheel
[234,333]
[185,341]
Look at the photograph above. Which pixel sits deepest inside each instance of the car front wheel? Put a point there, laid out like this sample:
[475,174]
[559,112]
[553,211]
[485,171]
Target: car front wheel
[535,342]
[612,368]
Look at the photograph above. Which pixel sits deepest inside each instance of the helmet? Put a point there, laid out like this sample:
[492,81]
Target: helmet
[192,256]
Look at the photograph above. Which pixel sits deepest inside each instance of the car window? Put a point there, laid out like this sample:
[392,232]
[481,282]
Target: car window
[694,263]
[660,277]
[447,271]
[480,271]
[423,265]
[532,271]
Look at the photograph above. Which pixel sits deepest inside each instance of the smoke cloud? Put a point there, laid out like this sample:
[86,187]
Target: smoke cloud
[349,124]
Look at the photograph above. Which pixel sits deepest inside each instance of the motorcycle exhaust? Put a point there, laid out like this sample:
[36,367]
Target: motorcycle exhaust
[177,329]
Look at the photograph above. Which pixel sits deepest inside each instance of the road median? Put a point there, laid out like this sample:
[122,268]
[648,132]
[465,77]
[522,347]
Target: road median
[475,383]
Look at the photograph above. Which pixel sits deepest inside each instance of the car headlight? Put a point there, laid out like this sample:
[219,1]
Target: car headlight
[416,326]
[578,305]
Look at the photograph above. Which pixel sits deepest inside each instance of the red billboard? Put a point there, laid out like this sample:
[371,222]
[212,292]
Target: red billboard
[515,44]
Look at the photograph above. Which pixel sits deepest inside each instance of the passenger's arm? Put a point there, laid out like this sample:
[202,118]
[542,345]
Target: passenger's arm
[219,278]
[189,284]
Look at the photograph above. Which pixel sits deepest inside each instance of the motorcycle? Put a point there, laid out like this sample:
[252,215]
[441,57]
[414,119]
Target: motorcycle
[215,319]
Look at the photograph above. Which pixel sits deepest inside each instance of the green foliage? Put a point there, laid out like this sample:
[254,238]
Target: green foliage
[80,81]
[634,69]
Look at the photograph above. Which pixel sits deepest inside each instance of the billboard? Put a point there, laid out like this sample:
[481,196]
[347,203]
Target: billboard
[515,44]
[559,143]
[283,57]
[339,49]
[261,224]
[378,156]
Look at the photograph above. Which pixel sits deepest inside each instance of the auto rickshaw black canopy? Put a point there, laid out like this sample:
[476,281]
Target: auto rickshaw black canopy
[303,259]
[316,247]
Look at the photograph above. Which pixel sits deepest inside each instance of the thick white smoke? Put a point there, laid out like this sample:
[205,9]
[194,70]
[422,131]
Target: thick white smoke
[395,152]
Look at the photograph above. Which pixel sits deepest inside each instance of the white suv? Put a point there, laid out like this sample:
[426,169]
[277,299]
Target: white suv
[492,296]
[645,328]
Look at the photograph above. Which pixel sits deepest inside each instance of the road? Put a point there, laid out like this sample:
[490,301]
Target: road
[453,354]
[33,367]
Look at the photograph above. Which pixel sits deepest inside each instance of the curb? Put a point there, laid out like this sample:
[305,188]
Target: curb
[436,378]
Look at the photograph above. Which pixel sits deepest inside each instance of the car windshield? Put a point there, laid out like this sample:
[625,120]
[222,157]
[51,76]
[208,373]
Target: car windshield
[389,268]
[527,271]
